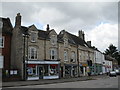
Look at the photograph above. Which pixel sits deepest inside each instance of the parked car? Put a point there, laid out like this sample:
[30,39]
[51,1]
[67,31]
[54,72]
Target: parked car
[117,71]
[112,73]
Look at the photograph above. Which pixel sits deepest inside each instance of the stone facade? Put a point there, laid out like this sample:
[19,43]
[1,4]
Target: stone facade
[71,52]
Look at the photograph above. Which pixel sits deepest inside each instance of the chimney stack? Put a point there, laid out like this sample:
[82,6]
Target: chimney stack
[89,43]
[18,20]
[81,34]
[48,28]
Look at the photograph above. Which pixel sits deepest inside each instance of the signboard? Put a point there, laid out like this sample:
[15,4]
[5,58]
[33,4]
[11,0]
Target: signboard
[1,61]
[43,62]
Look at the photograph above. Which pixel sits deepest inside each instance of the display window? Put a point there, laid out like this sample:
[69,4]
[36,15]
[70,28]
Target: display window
[32,71]
[53,69]
[67,70]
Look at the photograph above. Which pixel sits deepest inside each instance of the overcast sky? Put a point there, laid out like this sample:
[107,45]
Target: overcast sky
[98,20]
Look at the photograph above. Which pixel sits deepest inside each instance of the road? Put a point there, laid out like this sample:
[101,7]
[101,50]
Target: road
[104,82]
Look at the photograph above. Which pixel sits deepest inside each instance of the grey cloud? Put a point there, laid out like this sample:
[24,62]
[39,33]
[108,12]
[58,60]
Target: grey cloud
[77,15]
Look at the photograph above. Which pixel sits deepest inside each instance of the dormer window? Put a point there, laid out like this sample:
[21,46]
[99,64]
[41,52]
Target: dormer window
[65,42]
[33,37]
[53,39]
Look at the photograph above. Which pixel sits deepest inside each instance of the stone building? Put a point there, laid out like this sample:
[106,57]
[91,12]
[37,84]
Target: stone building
[44,54]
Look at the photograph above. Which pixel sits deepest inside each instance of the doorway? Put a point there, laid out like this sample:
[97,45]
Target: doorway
[40,72]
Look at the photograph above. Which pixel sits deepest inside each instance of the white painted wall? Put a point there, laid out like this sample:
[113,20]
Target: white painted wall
[99,57]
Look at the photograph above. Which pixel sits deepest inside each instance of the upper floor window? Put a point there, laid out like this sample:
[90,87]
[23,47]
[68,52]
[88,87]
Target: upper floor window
[53,54]
[32,53]
[73,56]
[33,37]
[65,56]
[65,42]
[53,39]
[1,42]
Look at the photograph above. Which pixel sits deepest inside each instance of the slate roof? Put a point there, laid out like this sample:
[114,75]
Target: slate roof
[43,34]
[73,39]
[24,30]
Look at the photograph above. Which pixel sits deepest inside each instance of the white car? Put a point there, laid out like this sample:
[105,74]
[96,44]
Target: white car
[112,73]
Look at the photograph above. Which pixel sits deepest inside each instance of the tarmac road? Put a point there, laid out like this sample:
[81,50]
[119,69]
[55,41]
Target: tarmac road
[103,82]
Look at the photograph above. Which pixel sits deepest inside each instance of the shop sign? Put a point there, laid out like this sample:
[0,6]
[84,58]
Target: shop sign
[31,65]
[53,65]
[84,65]
[50,77]
[43,62]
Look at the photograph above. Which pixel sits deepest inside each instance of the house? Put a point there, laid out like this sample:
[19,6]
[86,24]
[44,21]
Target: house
[99,59]
[5,45]
[44,54]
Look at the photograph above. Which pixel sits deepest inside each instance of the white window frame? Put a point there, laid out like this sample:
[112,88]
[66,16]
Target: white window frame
[30,53]
[65,56]
[73,56]
[53,54]
[2,42]
[53,40]
[33,37]
[65,42]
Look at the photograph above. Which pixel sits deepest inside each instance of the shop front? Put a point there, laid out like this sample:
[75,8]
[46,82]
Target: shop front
[71,70]
[83,69]
[42,70]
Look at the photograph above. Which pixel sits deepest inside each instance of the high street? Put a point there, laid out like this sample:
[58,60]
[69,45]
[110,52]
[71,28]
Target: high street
[101,82]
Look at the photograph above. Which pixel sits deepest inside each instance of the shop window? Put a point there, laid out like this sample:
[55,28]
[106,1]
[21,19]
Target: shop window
[53,69]
[1,42]
[32,71]
[53,54]
[67,70]
[65,56]
[32,53]
[46,73]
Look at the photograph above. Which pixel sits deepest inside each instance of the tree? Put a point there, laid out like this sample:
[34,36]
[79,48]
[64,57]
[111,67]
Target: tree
[113,52]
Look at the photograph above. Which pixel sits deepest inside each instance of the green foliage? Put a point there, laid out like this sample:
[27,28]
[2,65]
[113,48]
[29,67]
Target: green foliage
[113,52]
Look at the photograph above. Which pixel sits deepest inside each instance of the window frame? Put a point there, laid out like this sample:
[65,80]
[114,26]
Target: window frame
[73,56]
[53,39]
[35,54]
[2,40]
[53,54]
[65,55]
[33,37]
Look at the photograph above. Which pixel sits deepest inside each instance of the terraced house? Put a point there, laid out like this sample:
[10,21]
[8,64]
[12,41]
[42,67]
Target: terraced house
[44,54]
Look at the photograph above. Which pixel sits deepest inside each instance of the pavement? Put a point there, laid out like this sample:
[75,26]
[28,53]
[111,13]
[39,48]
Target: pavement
[41,82]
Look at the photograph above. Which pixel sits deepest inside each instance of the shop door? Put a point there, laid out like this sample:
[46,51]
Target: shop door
[40,72]
[61,71]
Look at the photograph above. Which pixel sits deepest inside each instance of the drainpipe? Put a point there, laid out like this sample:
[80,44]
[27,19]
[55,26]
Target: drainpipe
[78,61]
